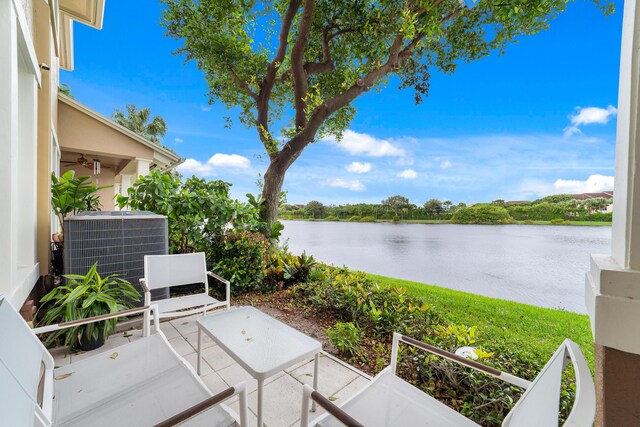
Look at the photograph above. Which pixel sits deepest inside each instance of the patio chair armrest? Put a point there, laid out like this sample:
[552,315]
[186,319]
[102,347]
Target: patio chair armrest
[144,286]
[200,407]
[227,285]
[308,393]
[504,376]
[218,278]
[80,322]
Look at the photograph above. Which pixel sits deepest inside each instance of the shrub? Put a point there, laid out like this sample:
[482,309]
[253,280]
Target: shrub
[396,219]
[482,214]
[601,216]
[345,336]
[299,268]
[242,259]
[353,298]
[332,218]
[558,221]
[354,218]
[198,211]
[367,219]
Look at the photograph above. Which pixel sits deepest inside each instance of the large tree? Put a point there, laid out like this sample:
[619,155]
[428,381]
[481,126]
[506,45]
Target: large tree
[299,64]
[141,122]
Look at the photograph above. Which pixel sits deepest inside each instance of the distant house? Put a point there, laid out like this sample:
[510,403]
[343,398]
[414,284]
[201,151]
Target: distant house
[94,145]
[587,196]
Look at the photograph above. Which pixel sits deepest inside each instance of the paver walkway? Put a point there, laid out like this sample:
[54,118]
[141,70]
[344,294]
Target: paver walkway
[282,392]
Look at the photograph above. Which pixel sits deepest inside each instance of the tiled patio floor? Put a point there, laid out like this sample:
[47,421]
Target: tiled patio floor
[282,392]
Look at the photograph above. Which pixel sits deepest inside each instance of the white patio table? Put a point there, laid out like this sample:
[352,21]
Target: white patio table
[262,345]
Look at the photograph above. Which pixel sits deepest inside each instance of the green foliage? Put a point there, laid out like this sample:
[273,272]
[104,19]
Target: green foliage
[379,310]
[482,214]
[65,89]
[353,298]
[87,296]
[242,259]
[299,268]
[354,218]
[70,195]
[558,221]
[331,218]
[199,211]
[433,207]
[315,209]
[140,122]
[345,336]
[367,219]
[396,219]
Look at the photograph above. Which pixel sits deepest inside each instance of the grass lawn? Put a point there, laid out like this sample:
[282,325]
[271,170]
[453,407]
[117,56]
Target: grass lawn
[538,331]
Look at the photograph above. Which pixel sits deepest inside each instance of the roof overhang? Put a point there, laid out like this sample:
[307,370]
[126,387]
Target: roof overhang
[88,12]
[162,156]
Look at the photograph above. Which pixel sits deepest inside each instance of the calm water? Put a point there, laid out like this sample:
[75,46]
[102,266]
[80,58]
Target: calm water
[533,264]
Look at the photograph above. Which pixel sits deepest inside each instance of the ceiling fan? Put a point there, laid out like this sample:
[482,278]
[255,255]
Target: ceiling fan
[83,161]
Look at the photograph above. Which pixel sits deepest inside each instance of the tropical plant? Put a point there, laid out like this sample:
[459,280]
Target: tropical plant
[199,211]
[70,195]
[140,122]
[83,297]
[299,268]
[345,336]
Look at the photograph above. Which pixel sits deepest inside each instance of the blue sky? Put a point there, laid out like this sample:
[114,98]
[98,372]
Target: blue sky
[538,120]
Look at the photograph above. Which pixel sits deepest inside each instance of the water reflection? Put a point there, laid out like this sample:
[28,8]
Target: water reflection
[541,265]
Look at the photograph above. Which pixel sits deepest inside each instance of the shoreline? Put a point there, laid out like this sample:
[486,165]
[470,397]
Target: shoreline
[446,221]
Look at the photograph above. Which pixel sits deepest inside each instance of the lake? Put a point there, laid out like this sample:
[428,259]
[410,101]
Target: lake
[533,264]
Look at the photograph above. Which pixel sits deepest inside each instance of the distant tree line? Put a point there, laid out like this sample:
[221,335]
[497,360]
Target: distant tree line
[398,208]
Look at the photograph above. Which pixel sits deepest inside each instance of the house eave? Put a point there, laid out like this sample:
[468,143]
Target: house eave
[172,159]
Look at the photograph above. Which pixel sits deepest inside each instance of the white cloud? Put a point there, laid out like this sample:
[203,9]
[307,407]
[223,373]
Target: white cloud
[446,164]
[349,185]
[593,184]
[588,116]
[194,167]
[357,167]
[217,161]
[230,161]
[179,140]
[363,144]
[205,108]
[408,174]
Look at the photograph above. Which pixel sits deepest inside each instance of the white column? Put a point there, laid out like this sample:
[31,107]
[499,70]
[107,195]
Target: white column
[8,144]
[613,284]
[142,167]
[125,183]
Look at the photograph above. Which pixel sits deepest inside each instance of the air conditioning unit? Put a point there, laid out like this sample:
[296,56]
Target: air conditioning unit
[117,241]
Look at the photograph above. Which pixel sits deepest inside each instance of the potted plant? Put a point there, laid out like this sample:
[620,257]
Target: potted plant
[83,297]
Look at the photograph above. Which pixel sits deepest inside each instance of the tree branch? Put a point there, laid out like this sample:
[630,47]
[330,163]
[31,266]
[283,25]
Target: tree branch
[244,86]
[300,82]
[266,86]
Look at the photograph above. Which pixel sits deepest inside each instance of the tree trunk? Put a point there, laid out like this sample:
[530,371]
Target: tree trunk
[273,180]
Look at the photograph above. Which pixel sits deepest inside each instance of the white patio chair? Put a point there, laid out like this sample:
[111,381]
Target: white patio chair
[163,271]
[142,383]
[390,401]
